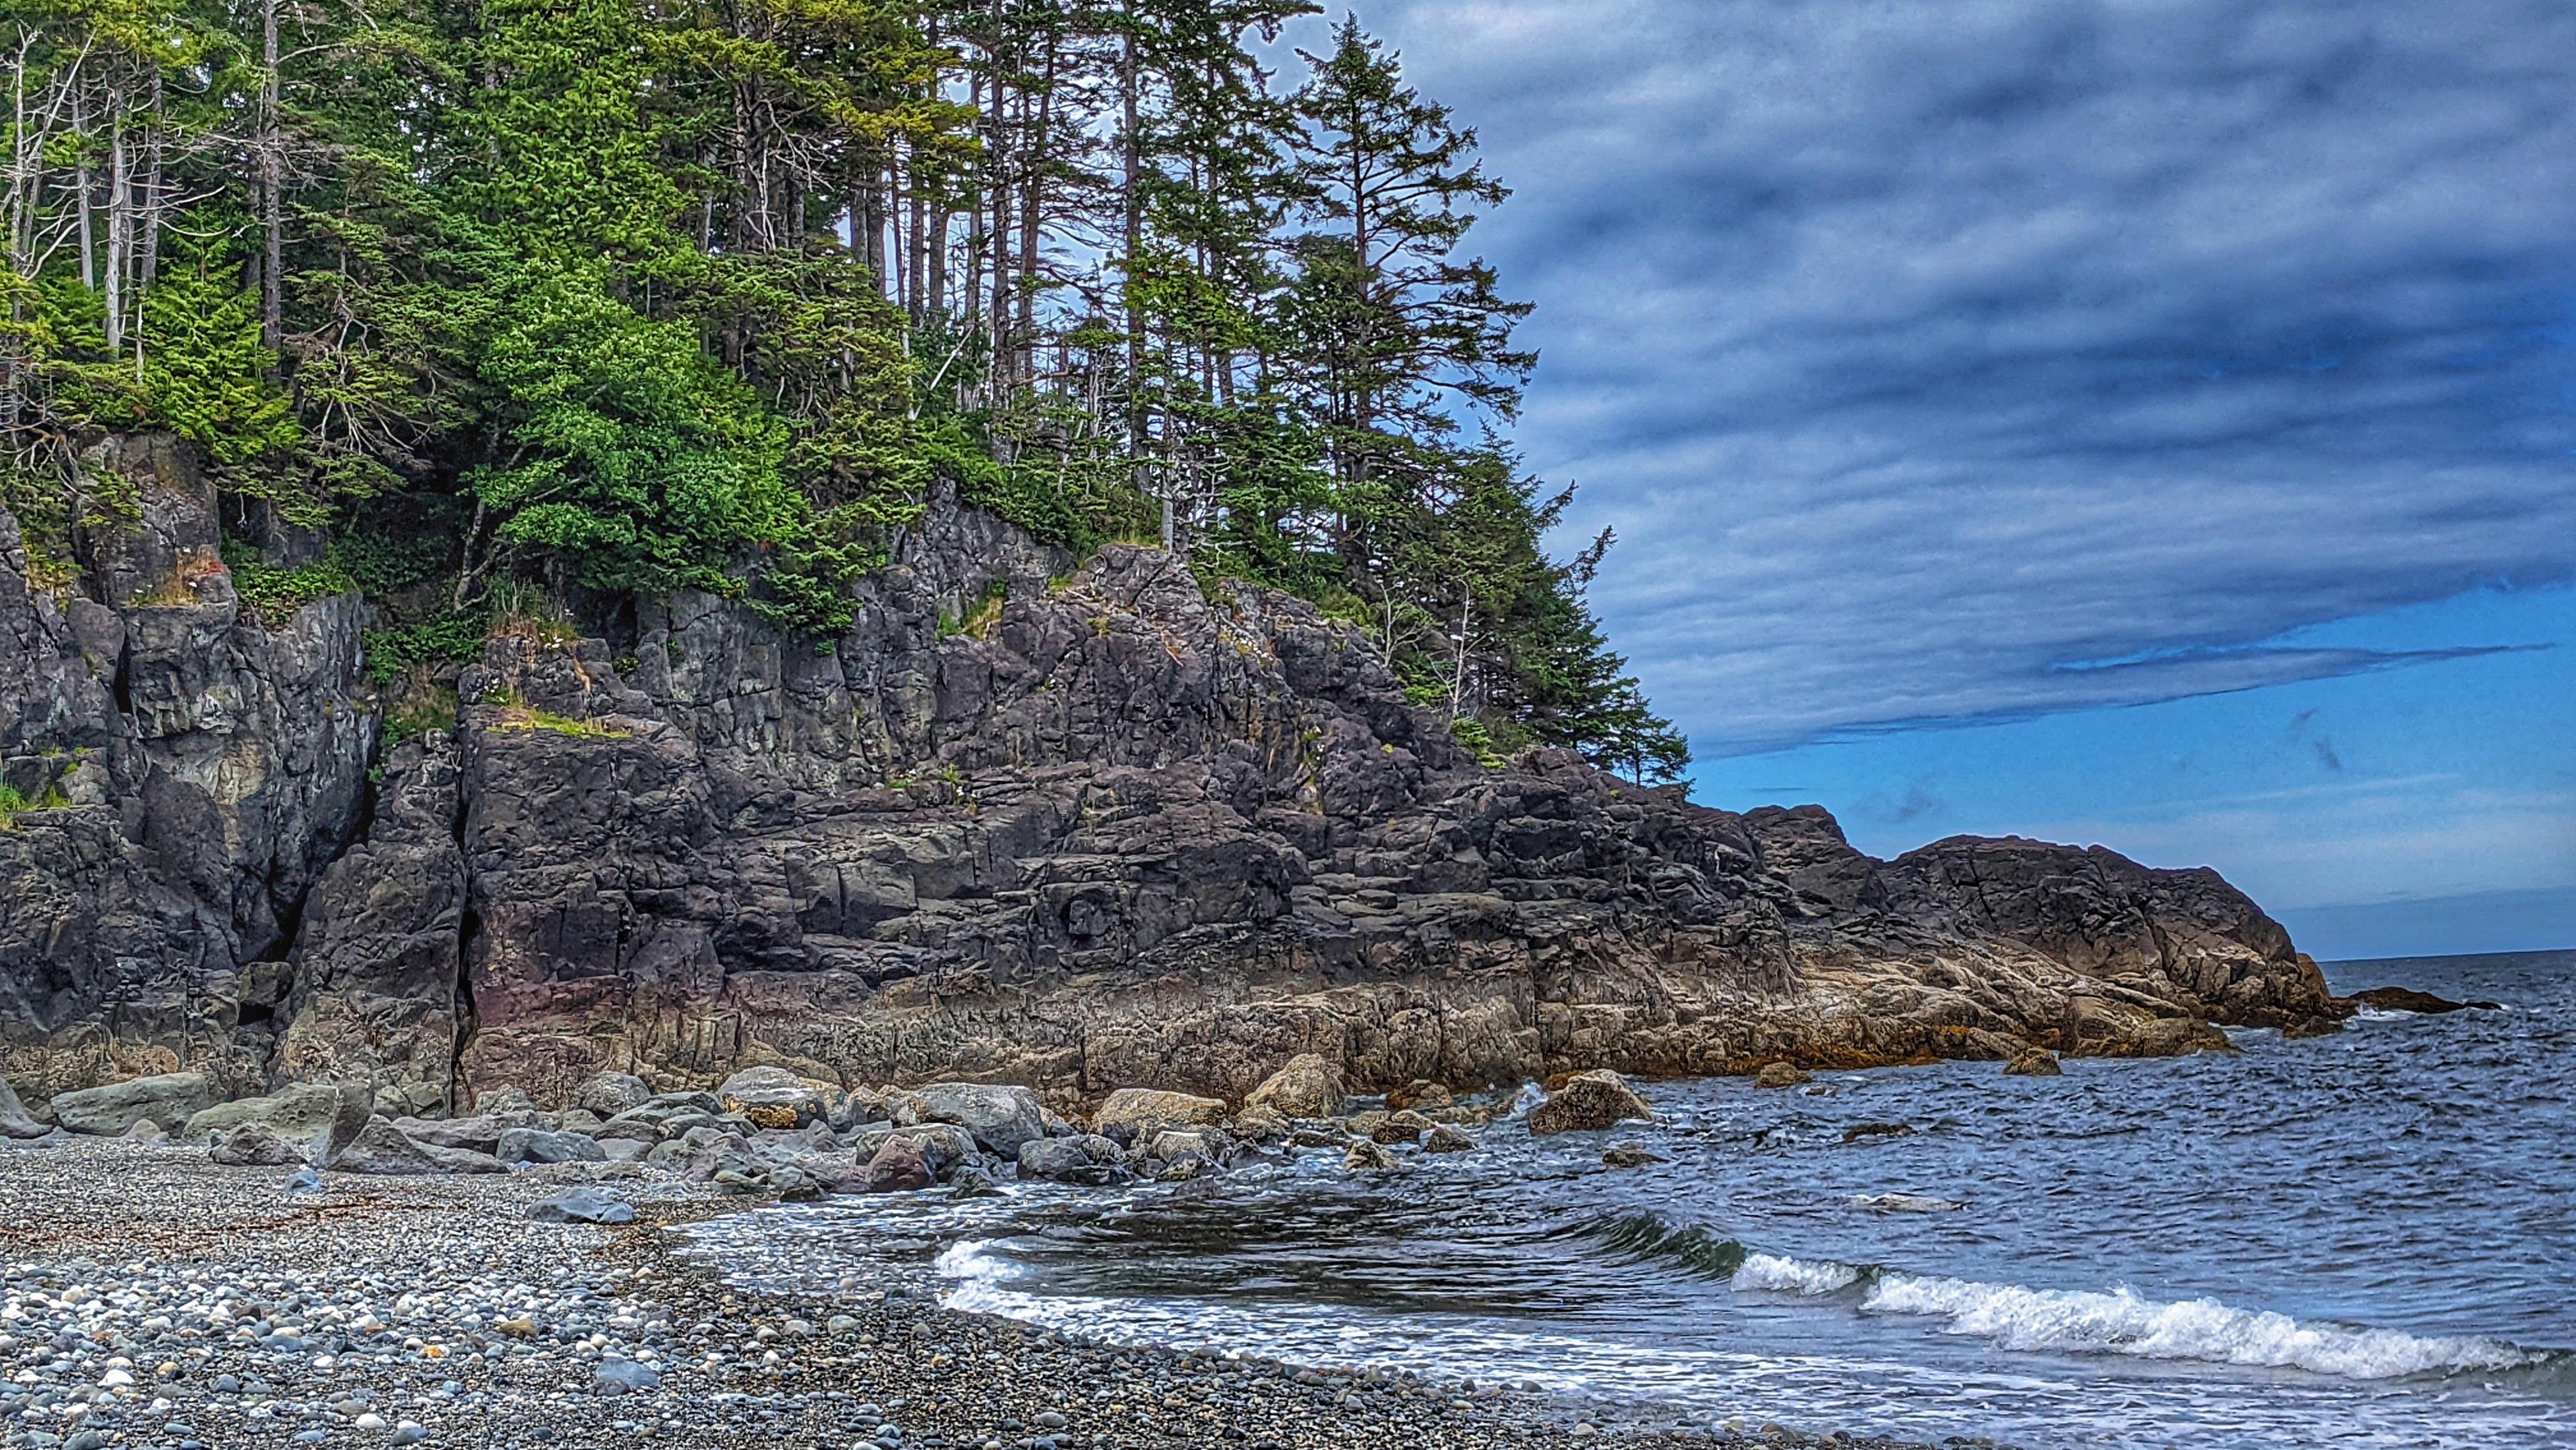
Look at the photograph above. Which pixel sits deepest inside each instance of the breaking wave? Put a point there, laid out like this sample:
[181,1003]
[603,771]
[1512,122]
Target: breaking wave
[2123,1322]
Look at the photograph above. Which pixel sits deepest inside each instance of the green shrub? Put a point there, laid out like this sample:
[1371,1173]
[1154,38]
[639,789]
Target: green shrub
[452,638]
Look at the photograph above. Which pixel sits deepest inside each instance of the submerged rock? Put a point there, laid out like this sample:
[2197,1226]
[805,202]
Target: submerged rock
[1779,1075]
[1364,1156]
[1448,1138]
[1587,1102]
[1906,1203]
[2033,1062]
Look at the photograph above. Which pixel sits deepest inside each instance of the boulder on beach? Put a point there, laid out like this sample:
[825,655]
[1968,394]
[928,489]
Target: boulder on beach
[252,1145]
[15,1122]
[1780,1075]
[773,1097]
[582,1205]
[1068,1160]
[535,1145]
[611,1093]
[169,1099]
[146,1132]
[321,1117]
[1129,1111]
[478,1134]
[1306,1087]
[898,1167]
[1000,1118]
[1588,1101]
[381,1150]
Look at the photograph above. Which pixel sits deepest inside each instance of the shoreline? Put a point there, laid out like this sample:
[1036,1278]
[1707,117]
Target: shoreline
[434,1311]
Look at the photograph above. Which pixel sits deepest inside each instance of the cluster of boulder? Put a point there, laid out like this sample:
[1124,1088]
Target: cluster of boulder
[768,1131]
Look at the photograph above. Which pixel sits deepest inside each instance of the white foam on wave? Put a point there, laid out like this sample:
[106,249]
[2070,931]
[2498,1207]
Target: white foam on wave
[2121,1322]
[1774,1274]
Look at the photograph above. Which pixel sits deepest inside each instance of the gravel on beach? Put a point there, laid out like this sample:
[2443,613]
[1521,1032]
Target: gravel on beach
[149,1298]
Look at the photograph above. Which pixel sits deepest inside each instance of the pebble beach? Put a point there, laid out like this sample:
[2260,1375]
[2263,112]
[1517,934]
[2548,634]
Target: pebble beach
[150,1298]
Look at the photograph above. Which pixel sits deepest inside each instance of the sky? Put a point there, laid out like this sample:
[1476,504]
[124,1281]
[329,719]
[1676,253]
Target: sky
[2143,424]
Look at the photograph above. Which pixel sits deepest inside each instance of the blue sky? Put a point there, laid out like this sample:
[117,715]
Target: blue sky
[2152,425]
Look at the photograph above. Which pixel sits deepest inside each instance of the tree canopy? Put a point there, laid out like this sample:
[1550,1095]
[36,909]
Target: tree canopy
[635,295]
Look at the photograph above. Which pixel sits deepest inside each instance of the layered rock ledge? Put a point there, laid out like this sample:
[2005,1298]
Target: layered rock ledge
[1130,832]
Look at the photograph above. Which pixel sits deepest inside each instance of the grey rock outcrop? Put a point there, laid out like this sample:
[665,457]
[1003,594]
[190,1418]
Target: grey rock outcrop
[1001,1119]
[319,1118]
[1134,833]
[382,1150]
[169,1099]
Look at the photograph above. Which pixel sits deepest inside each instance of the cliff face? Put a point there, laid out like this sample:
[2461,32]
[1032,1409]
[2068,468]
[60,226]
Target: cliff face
[1118,833]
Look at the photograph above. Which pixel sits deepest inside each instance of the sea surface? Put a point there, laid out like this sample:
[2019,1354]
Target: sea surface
[2366,1239]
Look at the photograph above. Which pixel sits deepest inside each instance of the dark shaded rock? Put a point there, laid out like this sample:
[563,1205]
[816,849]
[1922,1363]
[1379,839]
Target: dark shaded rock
[898,1167]
[2408,999]
[1866,1132]
[1779,1075]
[1586,1102]
[1068,1160]
[1628,1155]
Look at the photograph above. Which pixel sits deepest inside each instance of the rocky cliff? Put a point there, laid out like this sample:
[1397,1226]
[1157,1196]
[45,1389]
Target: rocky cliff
[1117,831]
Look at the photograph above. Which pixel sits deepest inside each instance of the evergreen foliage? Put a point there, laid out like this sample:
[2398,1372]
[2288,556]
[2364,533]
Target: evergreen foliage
[621,298]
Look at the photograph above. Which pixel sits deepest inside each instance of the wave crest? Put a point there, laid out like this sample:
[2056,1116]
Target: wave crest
[1694,1247]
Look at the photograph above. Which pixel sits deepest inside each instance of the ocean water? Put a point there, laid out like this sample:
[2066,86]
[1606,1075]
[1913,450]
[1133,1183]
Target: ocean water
[2360,1240]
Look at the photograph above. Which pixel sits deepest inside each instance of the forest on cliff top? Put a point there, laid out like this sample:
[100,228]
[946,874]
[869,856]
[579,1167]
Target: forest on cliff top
[525,303]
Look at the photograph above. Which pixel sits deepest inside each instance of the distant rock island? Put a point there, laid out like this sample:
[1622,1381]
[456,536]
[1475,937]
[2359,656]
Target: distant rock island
[1113,833]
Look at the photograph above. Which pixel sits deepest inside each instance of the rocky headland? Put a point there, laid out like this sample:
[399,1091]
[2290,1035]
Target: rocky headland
[1119,829]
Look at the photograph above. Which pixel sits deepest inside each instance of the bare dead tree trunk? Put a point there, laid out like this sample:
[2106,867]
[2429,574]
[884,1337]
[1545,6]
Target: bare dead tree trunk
[120,220]
[272,186]
[85,184]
